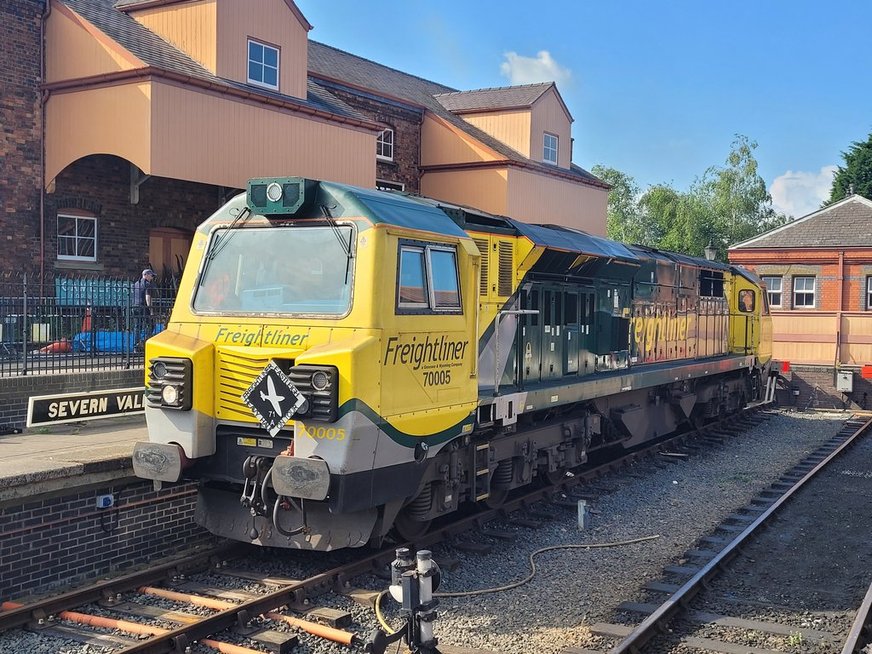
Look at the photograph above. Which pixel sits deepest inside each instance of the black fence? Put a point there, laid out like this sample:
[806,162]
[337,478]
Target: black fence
[75,324]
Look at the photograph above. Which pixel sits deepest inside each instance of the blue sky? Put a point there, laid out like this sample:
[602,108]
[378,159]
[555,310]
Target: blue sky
[657,89]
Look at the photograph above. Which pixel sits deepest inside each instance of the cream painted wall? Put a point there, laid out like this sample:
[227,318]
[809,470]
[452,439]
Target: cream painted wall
[75,48]
[203,137]
[190,26]
[483,189]
[537,198]
[172,131]
[272,23]
[510,127]
[549,116]
[442,143]
[109,120]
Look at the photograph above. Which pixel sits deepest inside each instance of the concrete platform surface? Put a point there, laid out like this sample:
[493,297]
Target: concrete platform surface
[47,459]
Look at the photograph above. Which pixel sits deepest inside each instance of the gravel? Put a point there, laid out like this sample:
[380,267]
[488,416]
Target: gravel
[677,500]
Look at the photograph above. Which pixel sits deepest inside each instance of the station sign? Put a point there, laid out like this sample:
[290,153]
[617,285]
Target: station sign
[76,407]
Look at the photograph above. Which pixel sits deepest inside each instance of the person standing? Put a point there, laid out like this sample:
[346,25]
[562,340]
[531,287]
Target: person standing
[142,309]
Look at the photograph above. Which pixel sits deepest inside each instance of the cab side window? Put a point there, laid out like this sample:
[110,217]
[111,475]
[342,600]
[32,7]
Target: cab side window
[427,280]
[747,301]
[412,291]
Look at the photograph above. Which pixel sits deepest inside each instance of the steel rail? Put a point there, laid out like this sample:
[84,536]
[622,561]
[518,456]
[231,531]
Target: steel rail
[18,617]
[861,621]
[653,624]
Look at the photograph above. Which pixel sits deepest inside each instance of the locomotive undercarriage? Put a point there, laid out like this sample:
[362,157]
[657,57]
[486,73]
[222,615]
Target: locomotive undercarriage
[543,446]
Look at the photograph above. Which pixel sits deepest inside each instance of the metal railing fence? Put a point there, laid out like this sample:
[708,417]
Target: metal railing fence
[61,324]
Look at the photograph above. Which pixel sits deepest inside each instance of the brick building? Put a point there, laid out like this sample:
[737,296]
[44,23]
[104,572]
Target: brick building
[818,272]
[20,129]
[127,122]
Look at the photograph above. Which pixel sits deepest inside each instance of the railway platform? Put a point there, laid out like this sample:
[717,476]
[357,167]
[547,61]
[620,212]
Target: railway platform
[67,456]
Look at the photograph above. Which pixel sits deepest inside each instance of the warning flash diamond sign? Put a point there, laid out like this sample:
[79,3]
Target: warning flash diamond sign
[273,398]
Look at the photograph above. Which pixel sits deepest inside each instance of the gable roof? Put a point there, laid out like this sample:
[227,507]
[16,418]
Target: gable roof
[504,97]
[847,222]
[329,63]
[132,5]
[162,56]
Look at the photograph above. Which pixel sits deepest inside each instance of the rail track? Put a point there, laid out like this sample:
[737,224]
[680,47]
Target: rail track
[754,571]
[253,616]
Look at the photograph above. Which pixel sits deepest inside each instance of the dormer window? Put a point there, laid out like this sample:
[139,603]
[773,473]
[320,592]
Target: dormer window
[263,65]
[384,145]
[549,149]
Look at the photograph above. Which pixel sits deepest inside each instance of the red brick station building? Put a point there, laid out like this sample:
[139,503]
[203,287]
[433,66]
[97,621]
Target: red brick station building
[818,272]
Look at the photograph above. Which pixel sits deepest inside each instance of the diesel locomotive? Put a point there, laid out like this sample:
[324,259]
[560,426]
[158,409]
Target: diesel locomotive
[341,362]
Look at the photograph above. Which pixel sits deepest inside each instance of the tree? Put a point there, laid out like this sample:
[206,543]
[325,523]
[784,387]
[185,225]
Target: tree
[622,222]
[736,200]
[728,204]
[856,174]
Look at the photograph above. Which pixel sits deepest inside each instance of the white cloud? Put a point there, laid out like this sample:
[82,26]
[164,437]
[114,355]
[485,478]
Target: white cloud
[799,193]
[529,70]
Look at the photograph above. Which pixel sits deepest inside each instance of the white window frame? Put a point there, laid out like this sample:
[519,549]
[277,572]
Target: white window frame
[868,292]
[75,237]
[429,305]
[804,291]
[548,147]
[387,185]
[771,292]
[248,60]
[384,148]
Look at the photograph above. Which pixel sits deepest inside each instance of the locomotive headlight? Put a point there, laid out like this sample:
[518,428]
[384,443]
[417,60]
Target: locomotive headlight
[320,380]
[274,192]
[169,383]
[159,370]
[170,395]
[319,384]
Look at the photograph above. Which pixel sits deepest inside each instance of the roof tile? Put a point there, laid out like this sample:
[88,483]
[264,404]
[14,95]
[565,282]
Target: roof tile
[844,223]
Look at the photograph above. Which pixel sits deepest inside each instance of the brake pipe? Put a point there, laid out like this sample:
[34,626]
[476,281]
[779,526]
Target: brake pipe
[322,631]
[137,628]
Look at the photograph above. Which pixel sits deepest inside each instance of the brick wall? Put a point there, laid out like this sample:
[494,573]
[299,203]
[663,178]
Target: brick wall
[52,541]
[20,131]
[15,391]
[817,390]
[99,186]
[823,265]
[406,123]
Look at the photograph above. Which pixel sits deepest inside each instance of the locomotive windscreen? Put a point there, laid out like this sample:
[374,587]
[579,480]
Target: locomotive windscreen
[284,270]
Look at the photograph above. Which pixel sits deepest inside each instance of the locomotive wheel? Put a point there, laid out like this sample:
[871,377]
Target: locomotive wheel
[556,477]
[411,522]
[496,498]
[409,527]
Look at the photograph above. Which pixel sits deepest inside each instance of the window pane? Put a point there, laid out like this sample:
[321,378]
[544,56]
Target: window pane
[85,227]
[255,52]
[255,71]
[66,246]
[85,247]
[66,226]
[412,289]
[444,272]
[271,57]
[270,77]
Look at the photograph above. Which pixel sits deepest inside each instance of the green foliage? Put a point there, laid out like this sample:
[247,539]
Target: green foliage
[623,215]
[728,204]
[856,174]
